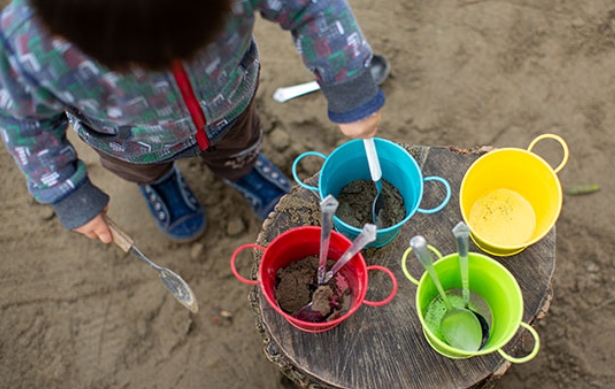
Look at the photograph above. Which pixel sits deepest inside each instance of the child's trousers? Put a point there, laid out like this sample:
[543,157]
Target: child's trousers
[231,158]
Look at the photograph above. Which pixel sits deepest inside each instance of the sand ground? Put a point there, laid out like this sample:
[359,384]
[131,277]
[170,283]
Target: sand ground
[79,314]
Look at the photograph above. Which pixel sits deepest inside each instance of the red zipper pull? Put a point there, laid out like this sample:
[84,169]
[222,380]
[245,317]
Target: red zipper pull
[198,118]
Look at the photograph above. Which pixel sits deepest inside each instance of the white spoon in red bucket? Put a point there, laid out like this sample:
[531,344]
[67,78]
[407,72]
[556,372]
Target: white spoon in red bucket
[367,235]
[328,206]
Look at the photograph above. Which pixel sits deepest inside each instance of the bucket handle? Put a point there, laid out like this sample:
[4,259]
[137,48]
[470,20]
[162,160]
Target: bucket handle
[446,198]
[560,140]
[294,168]
[530,355]
[393,291]
[234,266]
[404,267]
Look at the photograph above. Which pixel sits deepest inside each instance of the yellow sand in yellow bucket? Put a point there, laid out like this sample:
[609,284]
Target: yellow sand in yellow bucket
[504,216]
[511,198]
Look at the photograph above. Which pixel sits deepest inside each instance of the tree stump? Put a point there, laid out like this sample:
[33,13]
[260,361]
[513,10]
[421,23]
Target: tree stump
[384,347]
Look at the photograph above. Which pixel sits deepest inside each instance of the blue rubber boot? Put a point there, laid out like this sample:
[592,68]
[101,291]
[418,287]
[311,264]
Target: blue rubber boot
[263,187]
[175,208]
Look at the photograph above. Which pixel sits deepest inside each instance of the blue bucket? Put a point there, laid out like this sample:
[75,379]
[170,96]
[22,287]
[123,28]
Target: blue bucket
[348,163]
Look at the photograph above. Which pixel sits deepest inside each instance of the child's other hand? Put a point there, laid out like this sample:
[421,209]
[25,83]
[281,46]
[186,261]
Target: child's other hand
[365,128]
[96,228]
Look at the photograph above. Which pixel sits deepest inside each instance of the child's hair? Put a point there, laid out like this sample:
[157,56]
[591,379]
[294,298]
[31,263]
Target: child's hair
[124,33]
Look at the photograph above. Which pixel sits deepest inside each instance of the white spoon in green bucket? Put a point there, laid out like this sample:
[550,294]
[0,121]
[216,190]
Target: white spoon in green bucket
[471,300]
[460,327]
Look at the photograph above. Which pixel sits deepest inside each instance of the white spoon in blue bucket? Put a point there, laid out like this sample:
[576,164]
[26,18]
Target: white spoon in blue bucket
[376,174]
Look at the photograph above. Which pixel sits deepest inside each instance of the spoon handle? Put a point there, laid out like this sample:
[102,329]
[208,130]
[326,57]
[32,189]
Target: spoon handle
[126,243]
[419,246]
[462,234]
[284,94]
[367,235]
[120,238]
[328,206]
[372,159]
[380,69]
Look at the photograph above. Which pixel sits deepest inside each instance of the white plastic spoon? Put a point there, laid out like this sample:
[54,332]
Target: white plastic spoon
[460,327]
[462,234]
[367,235]
[379,67]
[376,173]
[328,206]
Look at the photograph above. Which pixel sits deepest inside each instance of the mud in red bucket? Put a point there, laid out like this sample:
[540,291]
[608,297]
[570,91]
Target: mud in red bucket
[304,242]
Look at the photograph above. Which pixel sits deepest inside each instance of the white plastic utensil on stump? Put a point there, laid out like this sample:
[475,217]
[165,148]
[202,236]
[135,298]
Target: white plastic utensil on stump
[460,327]
[376,173]
[462,237]
[367,235]
[328,207]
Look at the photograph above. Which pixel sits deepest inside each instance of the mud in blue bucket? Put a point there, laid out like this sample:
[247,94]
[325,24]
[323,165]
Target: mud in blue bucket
[348,163]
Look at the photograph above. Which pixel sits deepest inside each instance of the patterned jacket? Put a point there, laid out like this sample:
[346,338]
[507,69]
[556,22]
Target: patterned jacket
[140,116]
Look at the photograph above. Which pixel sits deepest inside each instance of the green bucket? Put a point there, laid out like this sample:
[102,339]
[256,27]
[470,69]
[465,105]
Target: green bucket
[494,283]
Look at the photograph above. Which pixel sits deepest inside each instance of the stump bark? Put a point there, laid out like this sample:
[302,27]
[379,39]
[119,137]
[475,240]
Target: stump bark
[384,347]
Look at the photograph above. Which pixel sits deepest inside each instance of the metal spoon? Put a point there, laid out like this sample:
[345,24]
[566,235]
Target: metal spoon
[367,235]
[462,233]
[376,173]
[173,282]
[379,67]
[459,326]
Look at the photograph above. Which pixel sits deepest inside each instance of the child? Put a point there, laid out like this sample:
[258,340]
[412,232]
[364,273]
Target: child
[145,83]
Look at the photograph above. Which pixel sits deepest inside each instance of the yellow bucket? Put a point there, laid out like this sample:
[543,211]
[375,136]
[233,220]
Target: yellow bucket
[511,198]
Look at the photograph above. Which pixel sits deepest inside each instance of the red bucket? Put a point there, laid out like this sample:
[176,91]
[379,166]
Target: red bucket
[300,243]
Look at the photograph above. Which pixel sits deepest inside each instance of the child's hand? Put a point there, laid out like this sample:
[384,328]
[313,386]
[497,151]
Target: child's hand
[96,228]
[365,128]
